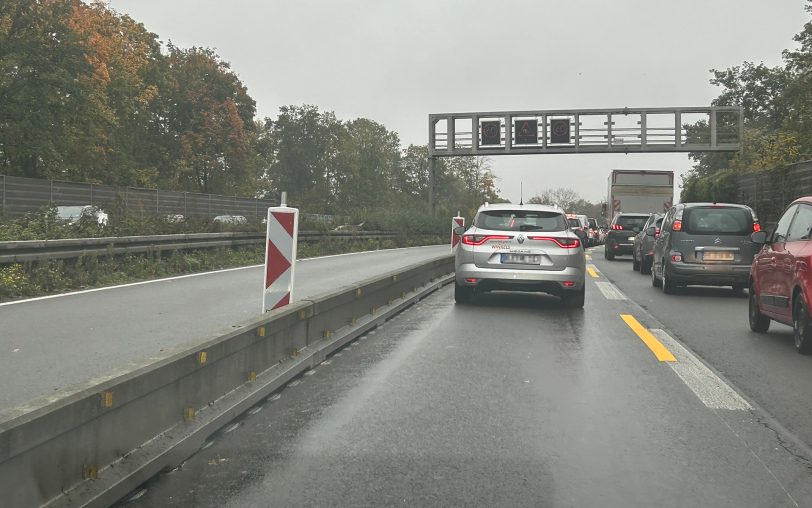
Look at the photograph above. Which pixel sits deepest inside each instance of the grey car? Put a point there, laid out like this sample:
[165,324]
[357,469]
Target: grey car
[643,249]
[705,244]
[520,248]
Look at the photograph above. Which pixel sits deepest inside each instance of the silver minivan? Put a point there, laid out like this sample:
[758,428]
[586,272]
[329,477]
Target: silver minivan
[520,248]
[705,244]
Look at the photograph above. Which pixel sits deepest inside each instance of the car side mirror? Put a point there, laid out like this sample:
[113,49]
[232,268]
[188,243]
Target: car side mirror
[580,233]
[459,230]
[759,237]
[651,231]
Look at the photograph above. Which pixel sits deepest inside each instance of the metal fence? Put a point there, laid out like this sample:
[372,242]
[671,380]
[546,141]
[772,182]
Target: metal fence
[769,193]
[23,195]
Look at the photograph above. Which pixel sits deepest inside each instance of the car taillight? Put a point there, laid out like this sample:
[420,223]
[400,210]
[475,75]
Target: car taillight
[676,257]
[480,239]
[677,225]
[656,232]
[566,243]
[756,227]
[617,227]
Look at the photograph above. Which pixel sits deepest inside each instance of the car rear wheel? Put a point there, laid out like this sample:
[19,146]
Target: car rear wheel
[801,326]
[575,299]
[645,266]
[608,255]
[655,282]
[758,321]
[635,263]
[463,294]
[669,287]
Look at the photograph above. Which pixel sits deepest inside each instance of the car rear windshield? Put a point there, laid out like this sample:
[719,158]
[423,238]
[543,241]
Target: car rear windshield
[574,223]
[632,221]
[593,223]
[717,221]
[520,220]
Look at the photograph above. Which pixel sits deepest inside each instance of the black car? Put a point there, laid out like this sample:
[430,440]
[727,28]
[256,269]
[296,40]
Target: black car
[620,238]
[643,250]
[705,244]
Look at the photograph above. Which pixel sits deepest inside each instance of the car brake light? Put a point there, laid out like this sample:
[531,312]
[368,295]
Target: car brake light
[480,239]
[677,225]
[471,280]
[617,227]
[676,257]
[568,283]
[656,232]
[756,227]
[566,243]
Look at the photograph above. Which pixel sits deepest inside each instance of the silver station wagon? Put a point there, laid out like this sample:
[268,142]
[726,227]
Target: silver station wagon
[520,248]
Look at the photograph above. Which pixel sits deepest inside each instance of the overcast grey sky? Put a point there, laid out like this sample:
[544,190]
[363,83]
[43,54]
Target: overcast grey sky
[397,61]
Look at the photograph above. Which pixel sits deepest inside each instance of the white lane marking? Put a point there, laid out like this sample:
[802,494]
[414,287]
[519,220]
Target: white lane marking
[610,291]
[60,295]
[16,350]
[711,390]
[231,427]
[177,277]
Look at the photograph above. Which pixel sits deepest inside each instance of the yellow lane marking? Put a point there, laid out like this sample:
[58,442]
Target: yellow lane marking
[656,347]
[592,272]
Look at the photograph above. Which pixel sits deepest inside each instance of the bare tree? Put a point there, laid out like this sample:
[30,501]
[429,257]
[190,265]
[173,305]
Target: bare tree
[565,197]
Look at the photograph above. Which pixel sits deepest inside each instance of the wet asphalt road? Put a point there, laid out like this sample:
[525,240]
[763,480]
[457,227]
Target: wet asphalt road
[511,401]
[713,323]
[48,345]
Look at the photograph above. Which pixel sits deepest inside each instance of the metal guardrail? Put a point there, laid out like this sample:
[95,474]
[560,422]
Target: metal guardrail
[40,250]
[92,444]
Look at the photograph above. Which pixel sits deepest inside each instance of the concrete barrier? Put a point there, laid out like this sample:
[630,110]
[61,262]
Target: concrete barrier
[94,444]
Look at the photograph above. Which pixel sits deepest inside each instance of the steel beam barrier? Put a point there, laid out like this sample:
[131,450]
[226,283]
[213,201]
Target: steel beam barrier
[24,251]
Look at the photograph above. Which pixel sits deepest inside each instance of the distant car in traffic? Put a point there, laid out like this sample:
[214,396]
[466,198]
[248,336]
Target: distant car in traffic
[230,219]
[781,275]
[350,227]
[579,223]
[75,213]
[620,237]
[593,234]
[520,248]
[643,248]
[175,218]
[705,244]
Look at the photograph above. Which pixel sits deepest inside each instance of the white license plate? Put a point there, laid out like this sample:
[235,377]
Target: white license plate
[521,259]
[717,256]
[631,238]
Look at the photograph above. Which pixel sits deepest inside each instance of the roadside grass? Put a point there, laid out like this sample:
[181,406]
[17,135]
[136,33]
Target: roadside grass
[57,276]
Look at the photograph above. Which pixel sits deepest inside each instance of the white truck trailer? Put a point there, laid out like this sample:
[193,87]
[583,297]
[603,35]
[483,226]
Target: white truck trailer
[639,191]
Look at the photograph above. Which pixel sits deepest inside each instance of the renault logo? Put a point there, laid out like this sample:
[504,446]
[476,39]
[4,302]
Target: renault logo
[520,238]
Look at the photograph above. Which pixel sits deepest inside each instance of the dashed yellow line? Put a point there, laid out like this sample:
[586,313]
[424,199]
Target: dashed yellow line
[656,347]
[592,272]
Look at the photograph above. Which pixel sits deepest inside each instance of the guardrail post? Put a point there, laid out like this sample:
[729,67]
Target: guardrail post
[4,195]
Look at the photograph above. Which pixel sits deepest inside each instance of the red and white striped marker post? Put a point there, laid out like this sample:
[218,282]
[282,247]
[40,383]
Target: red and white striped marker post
[456,222]
[280,256]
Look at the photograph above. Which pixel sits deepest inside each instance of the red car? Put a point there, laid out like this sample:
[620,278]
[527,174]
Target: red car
[781,275]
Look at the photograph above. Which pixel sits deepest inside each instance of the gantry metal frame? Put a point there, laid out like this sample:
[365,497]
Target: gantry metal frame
[650,130]
[642,138]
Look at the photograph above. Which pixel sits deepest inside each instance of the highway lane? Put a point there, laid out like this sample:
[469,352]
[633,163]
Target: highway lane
[512,401]
[713,323]
[49,344]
